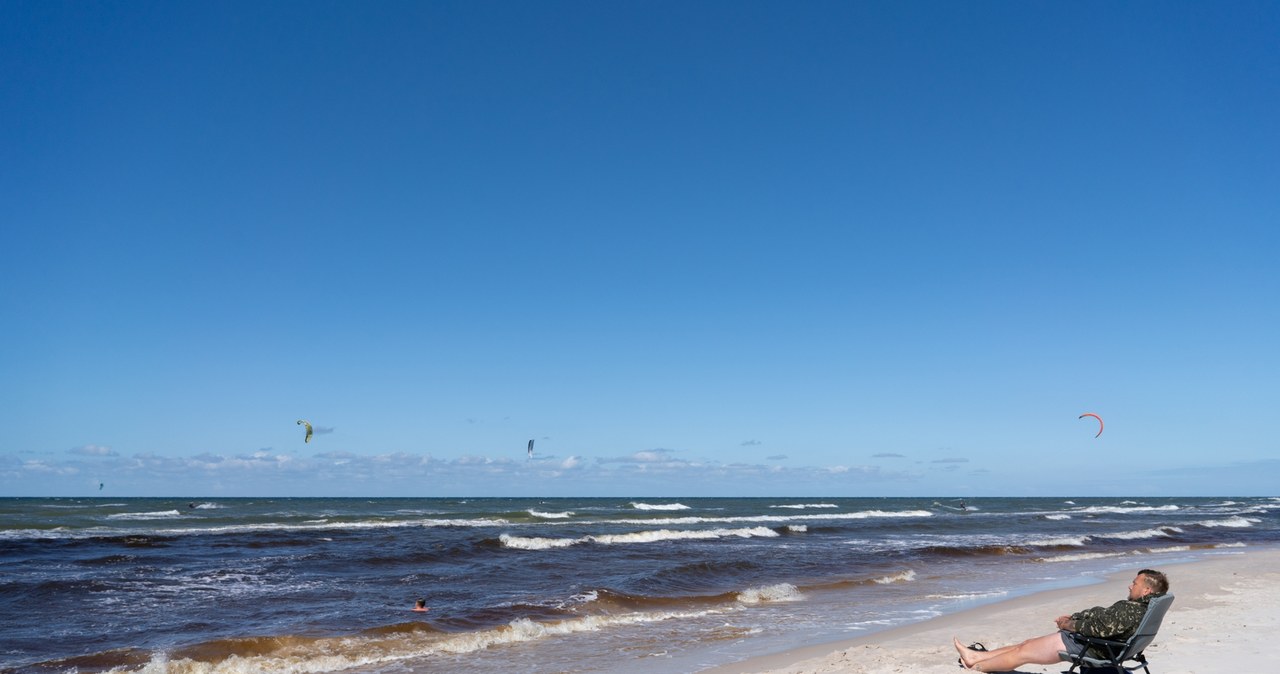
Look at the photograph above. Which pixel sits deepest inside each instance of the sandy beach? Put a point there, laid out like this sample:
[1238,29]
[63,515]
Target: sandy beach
[1223,620]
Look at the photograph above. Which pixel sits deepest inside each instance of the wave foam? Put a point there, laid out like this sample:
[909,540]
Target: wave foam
[903,577]
[780,519]
[655,536]
[969,595]
[1125,510]
[1085,556]
[659,506]
[770,593]
[157,515]
[313,656]
[551,516]
[1071,541]
[1158,532]
[1236,522]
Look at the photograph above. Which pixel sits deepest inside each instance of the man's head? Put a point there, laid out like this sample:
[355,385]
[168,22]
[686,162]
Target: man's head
[1148,581]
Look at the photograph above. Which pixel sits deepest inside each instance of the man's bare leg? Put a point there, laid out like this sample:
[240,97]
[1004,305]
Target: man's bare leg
[1038,651]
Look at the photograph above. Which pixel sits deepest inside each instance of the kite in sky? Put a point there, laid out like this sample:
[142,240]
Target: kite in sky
[531,449]
[1091,414]
[304,422]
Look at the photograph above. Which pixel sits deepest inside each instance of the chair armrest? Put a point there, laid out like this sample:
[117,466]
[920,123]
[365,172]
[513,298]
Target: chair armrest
[1097,641]
[1110,646]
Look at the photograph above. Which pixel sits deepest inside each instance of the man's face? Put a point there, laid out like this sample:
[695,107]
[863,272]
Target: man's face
[1138,588]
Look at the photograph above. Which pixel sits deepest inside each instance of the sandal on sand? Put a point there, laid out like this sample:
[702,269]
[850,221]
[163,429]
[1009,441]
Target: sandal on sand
[975,646]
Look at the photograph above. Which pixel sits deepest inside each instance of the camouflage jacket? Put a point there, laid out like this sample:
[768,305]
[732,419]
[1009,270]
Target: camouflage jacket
[1116,622]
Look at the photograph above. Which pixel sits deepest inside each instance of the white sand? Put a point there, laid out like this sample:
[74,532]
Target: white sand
[1225,619]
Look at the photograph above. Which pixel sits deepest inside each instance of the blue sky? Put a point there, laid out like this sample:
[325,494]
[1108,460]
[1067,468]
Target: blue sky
[712,248]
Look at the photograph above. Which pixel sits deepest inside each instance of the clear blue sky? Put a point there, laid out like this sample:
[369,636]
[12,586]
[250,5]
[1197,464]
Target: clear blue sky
[708,248]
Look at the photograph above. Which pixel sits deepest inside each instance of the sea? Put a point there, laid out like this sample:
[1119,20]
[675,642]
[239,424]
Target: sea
[563,585]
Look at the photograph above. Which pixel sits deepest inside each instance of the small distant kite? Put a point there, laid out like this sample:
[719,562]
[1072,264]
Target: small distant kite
[304,422]
[1091,414]
[101,485]
[531,449]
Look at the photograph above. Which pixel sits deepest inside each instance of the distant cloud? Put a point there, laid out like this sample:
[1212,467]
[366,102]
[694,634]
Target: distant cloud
[47,468]
[267,471]
[643,456]
[776,457]
[322,430]
[950,460]
[750,443]
[888,455]
[92,450]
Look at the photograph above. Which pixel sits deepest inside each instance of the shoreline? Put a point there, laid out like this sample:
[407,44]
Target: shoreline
[1222,620]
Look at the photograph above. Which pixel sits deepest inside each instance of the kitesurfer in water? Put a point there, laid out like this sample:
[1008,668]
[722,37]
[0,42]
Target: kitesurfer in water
[420,605]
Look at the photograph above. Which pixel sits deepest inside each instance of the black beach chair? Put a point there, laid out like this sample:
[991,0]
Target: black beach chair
[1120,652]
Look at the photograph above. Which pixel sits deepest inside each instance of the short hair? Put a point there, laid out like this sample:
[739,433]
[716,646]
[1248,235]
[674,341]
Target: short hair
[1155,580]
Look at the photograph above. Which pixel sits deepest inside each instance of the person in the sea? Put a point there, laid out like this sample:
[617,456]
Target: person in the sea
[1117,622]
[420,605]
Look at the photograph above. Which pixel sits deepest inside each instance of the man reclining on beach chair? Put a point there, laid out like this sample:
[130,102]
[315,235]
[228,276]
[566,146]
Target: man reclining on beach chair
[1115,623]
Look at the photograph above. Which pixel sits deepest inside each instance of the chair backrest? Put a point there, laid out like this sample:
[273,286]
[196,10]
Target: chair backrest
[1150,624]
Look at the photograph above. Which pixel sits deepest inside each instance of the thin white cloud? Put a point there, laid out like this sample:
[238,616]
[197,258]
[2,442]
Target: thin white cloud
[92,450]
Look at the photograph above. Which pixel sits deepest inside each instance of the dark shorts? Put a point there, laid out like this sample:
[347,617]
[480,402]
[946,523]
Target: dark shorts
[1070,645]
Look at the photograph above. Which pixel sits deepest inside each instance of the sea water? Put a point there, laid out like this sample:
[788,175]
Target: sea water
[544,585]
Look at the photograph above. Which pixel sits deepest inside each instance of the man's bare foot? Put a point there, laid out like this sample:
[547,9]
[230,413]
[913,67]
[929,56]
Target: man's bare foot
[967,656]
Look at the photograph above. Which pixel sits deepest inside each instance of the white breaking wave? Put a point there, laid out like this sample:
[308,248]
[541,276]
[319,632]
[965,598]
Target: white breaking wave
[309,525]
[656,536]
[1075,541]
[902,577]
[1057,517]
[659,506]
[537,543]
[969,595]
[345,653]
[770,593]
[1119,510]
[1172,548]
[806,506]
[1084,556]
[1159,532]
[551,516]
[157,515]
[780,519]
[1236,522]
